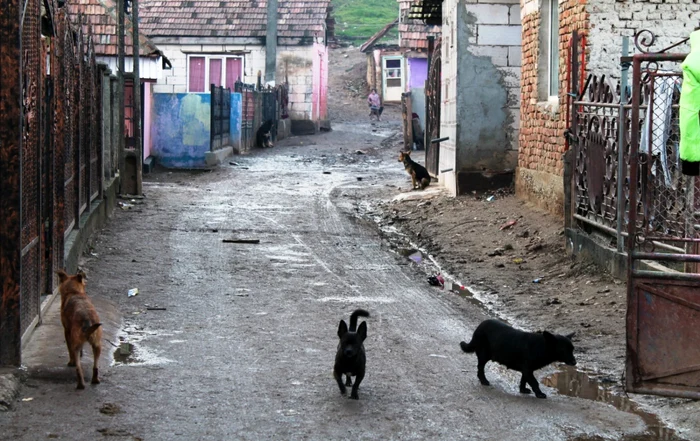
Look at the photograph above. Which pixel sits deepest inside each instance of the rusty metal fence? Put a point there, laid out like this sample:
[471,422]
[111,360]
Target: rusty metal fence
[260,104]
[60,172]
[627,185]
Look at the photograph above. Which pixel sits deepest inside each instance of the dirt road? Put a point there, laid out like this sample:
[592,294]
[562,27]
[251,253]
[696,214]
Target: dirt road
[229,341]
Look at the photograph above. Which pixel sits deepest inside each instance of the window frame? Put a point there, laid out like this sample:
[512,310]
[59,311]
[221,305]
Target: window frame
[207,61]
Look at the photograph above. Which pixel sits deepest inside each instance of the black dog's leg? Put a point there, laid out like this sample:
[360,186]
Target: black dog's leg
[532,381]
[358,380]
[339,378]
[483,359]
[523,387]
[348,380]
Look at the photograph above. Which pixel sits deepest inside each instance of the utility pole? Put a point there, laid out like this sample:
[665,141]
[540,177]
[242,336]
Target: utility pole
[137,98]
[271,42]
[120,93]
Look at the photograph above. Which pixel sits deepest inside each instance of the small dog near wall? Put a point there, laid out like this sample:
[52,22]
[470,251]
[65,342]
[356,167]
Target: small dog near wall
[521,351]
[81,323]
[420,178]
[350,358]
[263,137]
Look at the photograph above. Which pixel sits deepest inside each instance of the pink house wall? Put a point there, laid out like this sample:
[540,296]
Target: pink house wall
[147,114]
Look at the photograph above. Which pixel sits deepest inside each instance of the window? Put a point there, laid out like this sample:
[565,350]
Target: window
[548,64]
[392,70]
[553,47]
[205,70]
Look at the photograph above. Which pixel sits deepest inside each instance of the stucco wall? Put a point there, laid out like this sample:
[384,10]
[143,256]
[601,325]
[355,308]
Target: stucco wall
[175,80]
[295,64]
[181,129]
[539,177]
[480,88]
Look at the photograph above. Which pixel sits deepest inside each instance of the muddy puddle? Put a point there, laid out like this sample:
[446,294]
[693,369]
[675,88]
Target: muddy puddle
[124,354]
[573,383]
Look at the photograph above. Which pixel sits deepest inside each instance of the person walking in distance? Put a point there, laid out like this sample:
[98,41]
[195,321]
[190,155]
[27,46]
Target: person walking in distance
[375,105]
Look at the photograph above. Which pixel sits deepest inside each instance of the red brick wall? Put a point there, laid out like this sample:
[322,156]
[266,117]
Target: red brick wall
[541,137]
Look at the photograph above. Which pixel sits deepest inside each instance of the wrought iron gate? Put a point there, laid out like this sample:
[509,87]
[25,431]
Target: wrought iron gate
[627,183]
[269,109]
[432,118]
[220,117]
[663,314]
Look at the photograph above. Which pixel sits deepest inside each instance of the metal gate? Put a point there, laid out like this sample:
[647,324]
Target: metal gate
[663,314]
[627,184]
[432,104]
[247,114]
[220,117]
[269,109]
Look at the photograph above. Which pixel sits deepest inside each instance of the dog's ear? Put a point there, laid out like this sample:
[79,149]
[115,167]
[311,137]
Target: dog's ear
[62,276]
[362,331]
[342,329]
[81,277]
[549,337]
[570,336]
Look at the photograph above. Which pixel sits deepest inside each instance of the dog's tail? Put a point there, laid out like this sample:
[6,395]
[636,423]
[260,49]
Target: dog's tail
[89,328]
[467,347]
[424,183]
[353,318]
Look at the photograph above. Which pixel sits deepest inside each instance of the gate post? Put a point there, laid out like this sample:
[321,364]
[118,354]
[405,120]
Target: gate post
[622,125]
[10,202]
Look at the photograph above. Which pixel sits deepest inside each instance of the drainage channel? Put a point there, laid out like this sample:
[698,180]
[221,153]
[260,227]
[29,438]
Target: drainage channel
[569,381]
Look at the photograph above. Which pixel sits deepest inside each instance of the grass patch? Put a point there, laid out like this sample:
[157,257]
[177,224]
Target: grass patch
[360,19]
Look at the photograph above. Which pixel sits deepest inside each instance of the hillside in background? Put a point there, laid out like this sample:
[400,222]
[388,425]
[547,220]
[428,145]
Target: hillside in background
[357,20]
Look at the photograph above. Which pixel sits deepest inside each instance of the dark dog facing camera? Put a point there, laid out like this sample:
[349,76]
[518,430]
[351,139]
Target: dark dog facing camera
[350,358]
[263,137]
[521,351]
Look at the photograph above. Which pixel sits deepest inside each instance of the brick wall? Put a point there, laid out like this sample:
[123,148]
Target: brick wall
[542,123]
[604,22]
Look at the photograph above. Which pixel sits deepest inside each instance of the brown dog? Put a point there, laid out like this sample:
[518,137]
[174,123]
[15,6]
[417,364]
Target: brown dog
[420,178]
[80,323]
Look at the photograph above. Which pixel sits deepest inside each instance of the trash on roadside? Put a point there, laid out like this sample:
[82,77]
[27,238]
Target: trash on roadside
[538,280]
[518,261]
[359,178]
[326,173]
[436,280]
[437,356]
[508,224]
[28,399]
[125,348]
[132,292]
[156,308]
[125,206]
[241,240]
[110,409]
[233,163]
[490,198]
[416,257]
[359,152]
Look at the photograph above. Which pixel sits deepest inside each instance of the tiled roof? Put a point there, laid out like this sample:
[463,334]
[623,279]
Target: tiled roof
[232,18]
[102,15]
[413,34]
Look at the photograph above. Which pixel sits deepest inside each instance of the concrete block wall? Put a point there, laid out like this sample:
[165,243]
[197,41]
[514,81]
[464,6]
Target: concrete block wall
[539,177]
[481,44]
[295,63]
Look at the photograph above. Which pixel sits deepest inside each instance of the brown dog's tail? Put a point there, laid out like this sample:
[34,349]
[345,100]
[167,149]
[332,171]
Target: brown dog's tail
[89,328]
[353,318]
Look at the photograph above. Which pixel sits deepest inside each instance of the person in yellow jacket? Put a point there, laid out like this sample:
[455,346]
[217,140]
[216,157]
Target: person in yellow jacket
[689,112]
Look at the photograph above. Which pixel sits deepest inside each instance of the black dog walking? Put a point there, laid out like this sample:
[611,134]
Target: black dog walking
[350,358]
[521,351]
